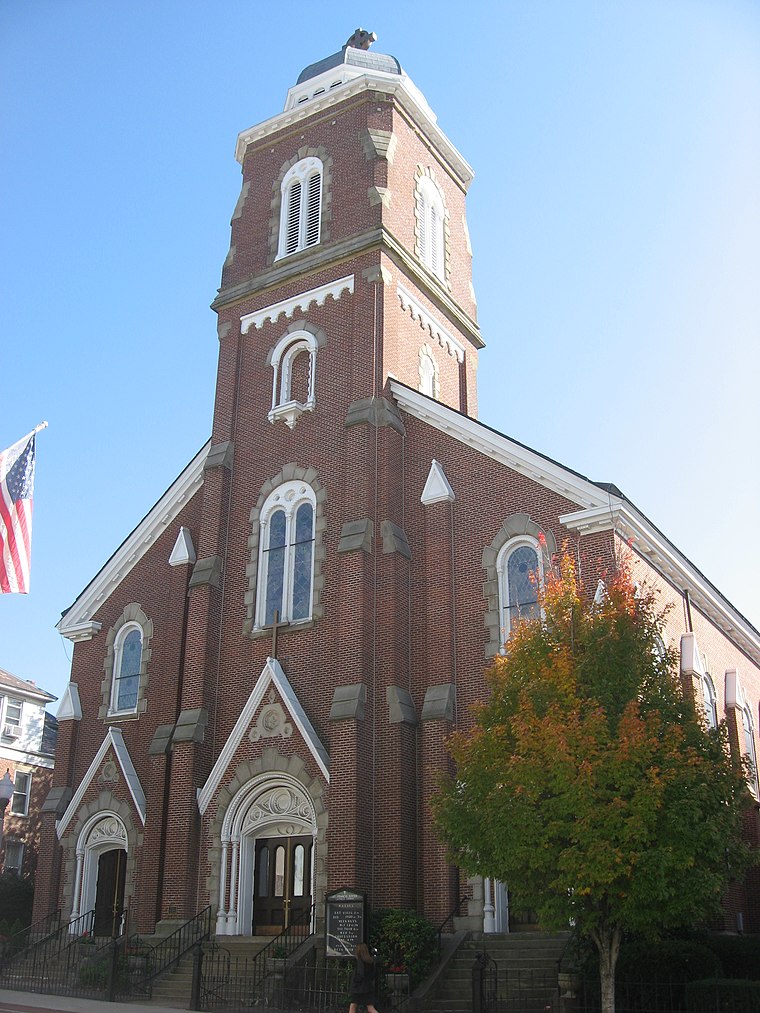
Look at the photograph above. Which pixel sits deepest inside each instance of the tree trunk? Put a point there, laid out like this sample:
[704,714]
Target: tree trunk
[608,944]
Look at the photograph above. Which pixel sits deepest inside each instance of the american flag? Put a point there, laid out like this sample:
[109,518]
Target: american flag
[16,490]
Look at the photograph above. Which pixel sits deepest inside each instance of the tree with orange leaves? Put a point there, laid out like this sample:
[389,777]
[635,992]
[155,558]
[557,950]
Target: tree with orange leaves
[589,782]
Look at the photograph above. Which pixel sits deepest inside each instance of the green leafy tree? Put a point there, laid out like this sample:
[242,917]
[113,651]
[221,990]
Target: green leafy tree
[589,783]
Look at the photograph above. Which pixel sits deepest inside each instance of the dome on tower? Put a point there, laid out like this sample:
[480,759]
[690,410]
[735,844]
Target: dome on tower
[355,53]
[351,62]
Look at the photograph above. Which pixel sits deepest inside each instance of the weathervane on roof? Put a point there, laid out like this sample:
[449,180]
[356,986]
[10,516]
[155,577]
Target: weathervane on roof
[361,39]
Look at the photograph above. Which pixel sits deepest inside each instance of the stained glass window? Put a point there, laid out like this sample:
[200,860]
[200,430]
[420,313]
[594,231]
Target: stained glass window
[128,661]
[275,565]
[519,581]
[287,556]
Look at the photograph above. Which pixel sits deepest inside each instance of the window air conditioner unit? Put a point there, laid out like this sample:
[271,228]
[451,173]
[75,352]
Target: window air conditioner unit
[12,731]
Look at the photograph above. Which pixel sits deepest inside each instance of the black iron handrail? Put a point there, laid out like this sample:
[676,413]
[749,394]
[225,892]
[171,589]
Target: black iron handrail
[29,936]
[161,956]
[454,913]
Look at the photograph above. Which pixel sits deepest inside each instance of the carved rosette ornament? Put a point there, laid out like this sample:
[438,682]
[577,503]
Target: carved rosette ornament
[272,722]
[109,773]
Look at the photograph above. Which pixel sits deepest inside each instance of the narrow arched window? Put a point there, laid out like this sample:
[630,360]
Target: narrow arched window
[710,701]
[294,365]
[428,370]
[286,563]
[520,571]
[301,207]
[430,226]
[749,748]
[126,669]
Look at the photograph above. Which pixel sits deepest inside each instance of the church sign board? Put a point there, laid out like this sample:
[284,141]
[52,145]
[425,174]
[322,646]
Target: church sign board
[346,920]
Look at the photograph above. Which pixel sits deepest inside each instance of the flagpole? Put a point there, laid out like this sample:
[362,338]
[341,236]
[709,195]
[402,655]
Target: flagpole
[40,427]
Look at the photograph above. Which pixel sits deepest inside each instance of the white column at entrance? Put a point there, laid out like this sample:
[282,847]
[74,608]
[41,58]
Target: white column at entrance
[221,914]
[75,912]
[232,926]
[489,922]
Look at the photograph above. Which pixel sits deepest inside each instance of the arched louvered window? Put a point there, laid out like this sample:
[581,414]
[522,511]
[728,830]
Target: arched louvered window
[286,561]
[430,231]
[126,668]
[301,207]
[520,571]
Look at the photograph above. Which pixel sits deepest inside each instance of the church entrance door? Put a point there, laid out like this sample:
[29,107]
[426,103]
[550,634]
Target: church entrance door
[282,884]
[109,895]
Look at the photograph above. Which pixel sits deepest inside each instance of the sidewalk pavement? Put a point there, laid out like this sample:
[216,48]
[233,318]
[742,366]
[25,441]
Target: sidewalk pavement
[34,1002]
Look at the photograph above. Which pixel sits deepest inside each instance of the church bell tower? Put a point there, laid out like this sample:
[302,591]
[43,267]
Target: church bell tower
[349,265]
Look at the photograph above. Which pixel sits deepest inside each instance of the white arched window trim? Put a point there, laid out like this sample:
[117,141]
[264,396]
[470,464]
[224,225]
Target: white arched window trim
[430,227]
[428,371]
[749,747]
[710,701]
[284,406]
[116,677]
[287,497]
[301,207]
[507,612]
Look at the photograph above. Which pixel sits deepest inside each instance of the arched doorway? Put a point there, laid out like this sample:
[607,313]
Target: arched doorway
[102,853]
[109,892]
[268,842]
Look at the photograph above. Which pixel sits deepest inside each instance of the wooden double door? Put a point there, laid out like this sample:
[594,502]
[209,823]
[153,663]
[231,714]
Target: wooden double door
[282,884]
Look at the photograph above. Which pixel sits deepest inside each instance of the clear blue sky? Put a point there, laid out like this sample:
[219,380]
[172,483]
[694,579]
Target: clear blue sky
[614,217]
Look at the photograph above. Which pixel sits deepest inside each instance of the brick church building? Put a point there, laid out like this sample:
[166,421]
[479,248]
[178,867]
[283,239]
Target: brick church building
[266,671]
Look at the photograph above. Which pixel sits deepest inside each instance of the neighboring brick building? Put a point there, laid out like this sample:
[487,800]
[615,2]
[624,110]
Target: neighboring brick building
[266,671]
[27,750]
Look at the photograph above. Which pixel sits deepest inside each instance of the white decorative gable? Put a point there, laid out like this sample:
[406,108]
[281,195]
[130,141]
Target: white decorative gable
[274,720]
[113,740]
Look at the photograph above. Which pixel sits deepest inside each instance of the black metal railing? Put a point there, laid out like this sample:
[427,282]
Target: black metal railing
[51,961]
[449,920]
[223,980]
[27,937]
[314,983]
[141,962]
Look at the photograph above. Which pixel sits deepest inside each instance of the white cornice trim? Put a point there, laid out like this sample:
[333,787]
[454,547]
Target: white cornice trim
[426,320]
[271,674]
[377,81]
[301,301]
[29,756]
[499,448]
[114,738]
[155,522]
[81,631]
[629,524]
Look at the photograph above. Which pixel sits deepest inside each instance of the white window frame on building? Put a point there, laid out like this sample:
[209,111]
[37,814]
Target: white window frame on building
[22,789]
[506,606]
[292,555]
[301,207]
[11,716]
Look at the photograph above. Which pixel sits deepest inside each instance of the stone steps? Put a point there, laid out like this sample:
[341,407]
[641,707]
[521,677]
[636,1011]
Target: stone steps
[526,962]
